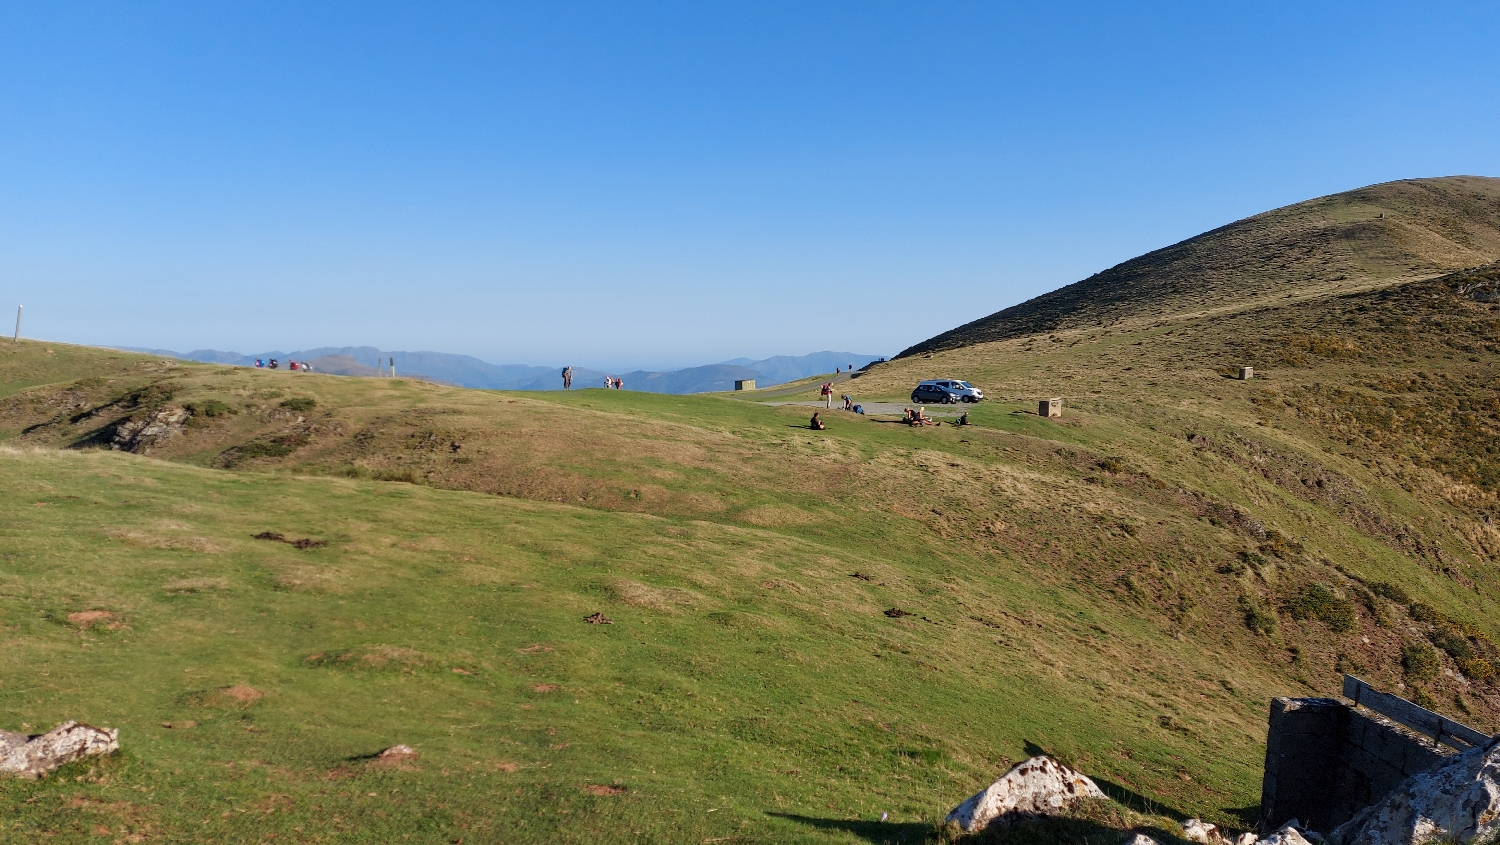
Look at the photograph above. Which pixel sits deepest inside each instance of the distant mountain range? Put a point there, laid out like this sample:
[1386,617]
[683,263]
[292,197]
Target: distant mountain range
[468,371]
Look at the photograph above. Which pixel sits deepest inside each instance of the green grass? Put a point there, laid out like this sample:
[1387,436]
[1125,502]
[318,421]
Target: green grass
[745,673]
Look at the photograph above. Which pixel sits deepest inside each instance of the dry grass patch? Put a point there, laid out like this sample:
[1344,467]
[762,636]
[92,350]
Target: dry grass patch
[90,618]
[184,586]
[236,697]
[141,539]
[777,516]
[664,599]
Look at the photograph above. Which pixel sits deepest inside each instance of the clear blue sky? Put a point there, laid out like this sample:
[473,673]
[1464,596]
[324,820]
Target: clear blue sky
[659,185]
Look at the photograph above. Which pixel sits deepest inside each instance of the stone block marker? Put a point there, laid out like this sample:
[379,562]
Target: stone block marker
[1247,373]
[1049,408]
[744,384]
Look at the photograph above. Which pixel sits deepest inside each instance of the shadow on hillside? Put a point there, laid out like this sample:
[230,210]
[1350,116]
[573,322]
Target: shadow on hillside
[1049,831]
[870,831]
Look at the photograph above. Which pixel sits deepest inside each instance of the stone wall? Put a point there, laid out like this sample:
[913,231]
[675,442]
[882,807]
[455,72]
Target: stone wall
[1329,758]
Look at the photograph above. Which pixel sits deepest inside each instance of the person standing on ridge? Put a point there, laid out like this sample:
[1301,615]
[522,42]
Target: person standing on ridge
[828,393]
[567,375]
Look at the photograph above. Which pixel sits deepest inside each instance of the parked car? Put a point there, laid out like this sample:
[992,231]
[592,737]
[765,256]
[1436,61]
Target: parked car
[946,391]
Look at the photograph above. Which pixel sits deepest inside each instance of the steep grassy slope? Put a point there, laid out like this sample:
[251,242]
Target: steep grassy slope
[1382,234]
[1368,442]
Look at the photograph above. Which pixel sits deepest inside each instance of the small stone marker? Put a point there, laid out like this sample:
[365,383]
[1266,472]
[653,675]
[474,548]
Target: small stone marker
[744,384]
[1247,373]
[1049,408]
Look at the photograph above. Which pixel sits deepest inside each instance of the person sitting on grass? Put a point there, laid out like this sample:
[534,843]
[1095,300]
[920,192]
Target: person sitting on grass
[816,424]
[919,417]
[964,419]
[848,403]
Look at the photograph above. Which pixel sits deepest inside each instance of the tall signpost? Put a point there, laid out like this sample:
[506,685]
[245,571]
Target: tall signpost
[17,338]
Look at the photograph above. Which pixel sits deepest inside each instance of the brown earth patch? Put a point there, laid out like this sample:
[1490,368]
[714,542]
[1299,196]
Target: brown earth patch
[533,649]
[303,543]
[604,790]
[87,618]
[244,694]
[544,687]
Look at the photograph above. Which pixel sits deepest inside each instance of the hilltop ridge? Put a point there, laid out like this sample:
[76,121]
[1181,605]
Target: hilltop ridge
[1381,234]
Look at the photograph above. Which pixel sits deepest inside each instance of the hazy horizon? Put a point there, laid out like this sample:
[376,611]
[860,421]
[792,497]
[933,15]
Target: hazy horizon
[677,183]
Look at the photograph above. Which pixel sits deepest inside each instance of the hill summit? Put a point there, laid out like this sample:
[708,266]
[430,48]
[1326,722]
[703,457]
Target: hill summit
[1371,237]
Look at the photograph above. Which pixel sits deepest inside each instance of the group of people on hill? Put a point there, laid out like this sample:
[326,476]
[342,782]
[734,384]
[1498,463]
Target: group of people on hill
[918,417]
[610,382]
[294,366]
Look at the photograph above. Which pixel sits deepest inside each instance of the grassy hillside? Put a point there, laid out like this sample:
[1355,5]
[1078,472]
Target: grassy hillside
[1393,232]
[808,628]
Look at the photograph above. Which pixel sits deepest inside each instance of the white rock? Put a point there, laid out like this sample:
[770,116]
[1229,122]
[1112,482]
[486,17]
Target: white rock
[1288,835]
[33,757]
[1457,802]
[1141,839]
[1040,786]
[1197,830]
[1246,839]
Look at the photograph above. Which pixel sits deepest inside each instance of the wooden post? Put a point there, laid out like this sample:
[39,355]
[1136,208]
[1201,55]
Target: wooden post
[17,338]
[1049,408]
[1247,373]
[393,368]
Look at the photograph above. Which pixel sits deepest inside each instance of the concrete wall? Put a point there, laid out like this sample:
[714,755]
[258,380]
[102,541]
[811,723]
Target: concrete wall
[1327,759]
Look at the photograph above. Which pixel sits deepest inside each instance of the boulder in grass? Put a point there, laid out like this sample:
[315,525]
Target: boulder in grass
[1037,787]
[1458,802]
[35,756]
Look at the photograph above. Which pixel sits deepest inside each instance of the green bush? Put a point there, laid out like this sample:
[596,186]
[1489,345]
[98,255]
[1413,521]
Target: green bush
[1419,662]
[210,408]
[1316,601]
[1257,618]
[1390,591]
[300,404]
[1424,613]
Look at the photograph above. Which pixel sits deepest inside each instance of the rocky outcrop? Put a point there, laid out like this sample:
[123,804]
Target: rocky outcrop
[1288,835]
[1197,830]
[140,434]
[1457,802]
[1040,786]
[34,756]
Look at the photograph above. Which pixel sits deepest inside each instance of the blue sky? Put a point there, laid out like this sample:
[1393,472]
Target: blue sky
[669,184]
